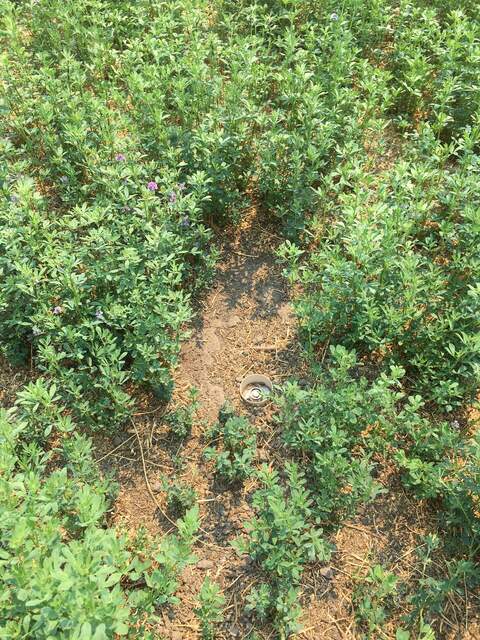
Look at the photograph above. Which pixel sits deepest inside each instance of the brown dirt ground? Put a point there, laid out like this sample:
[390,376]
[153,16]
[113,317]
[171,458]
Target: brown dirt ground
[12,379]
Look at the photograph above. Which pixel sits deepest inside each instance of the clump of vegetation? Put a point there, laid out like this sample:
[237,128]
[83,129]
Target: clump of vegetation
[180,419]
[394,270]
[371,598]
[210,608]
[282,538]
[129,134]
[180,497]
[64,573]
[234,461]
[333,426]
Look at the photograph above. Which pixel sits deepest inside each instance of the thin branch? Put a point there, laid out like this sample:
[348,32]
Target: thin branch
[115,449]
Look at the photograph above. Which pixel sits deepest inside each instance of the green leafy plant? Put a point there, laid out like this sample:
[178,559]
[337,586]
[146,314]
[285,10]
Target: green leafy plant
[282,538]
[62,571]
[38,406]
[131,134]
[395,267]
[234,462]
[210,608]
[180,420]
[180,497]
[325,423]
[372,598]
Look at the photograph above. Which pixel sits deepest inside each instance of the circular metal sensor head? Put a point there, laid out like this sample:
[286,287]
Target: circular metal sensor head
[255,389]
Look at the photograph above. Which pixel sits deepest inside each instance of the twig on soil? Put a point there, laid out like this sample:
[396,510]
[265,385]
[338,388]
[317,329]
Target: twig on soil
[187,626]
[447,621]
[147,482]
[367,533]
[115,449]
[344,572]
[236,607]
[244,255]
[337,626]
[466,603]
[355,564]
[326,347]
[146,413]
[266,347]
[304,632]
[249,586]
[407,553]
[267,233]
[229,586]
[155,464]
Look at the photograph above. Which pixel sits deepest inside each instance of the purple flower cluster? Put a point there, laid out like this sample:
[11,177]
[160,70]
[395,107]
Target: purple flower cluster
[172,198]
[99,314]
[152,185]
[120,157]
[57,311]
[334,17]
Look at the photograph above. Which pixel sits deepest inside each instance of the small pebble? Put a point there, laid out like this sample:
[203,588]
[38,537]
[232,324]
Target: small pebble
[205,564]
[262,455]
[232,322]
[326,572]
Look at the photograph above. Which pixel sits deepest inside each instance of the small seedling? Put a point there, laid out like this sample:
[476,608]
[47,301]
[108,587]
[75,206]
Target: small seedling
[180,420]
[180,497]
[373,598]
[234,461]
[209,611]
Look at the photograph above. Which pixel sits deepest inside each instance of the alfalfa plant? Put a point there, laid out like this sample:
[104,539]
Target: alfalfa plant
[211,602]
[234,458]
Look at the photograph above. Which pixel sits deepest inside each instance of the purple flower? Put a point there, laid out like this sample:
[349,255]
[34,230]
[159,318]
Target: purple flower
[152,186]
[334,17]
[181,186]
[99,314]
[172,198]
[120,157]
[57,311]
[36,332]
[14,198]
[63,179]
[185,222]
